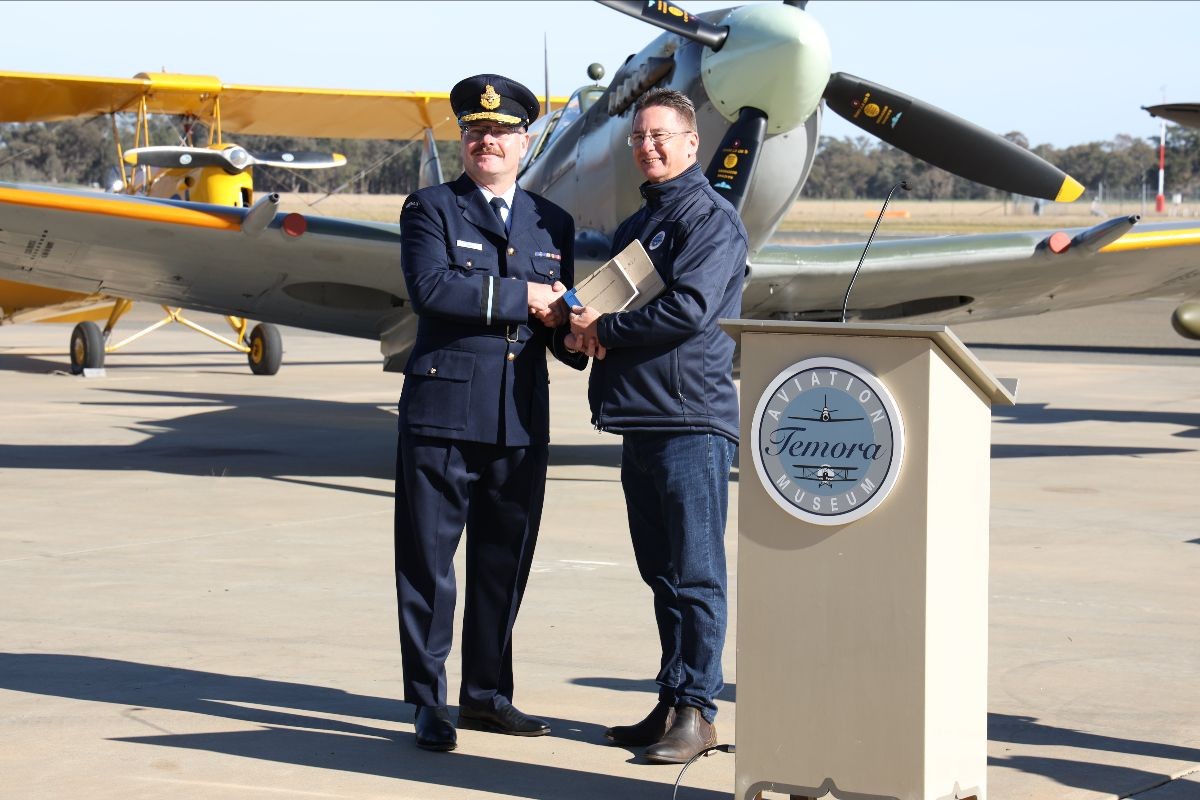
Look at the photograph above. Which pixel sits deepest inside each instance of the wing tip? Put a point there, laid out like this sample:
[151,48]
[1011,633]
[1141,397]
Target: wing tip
[1070,190]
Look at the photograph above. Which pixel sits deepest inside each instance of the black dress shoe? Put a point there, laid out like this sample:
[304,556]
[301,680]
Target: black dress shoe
[434,729]
[690,733]
[646,732]
[504,719]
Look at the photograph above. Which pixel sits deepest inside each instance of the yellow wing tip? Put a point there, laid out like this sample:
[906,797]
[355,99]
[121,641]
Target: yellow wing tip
[1069,191]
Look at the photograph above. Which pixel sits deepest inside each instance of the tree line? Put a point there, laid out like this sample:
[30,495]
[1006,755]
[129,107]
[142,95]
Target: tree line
[82,152]
[862,168]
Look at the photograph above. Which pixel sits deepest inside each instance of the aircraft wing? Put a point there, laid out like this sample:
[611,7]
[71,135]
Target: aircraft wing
[344,276]
[955,279]
[1185,114]
[259,110]
[337,275]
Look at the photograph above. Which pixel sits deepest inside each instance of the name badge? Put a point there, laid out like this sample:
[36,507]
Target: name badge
[470,245]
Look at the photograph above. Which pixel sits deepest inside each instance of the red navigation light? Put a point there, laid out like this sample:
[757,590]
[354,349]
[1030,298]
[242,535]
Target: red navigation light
[294,225]
[1059,242]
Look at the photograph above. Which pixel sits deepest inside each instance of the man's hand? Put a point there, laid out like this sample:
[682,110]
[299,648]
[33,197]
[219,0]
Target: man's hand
[573,343]
[545,303]
[583,328]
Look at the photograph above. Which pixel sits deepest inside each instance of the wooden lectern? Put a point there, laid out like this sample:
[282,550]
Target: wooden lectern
[862,562]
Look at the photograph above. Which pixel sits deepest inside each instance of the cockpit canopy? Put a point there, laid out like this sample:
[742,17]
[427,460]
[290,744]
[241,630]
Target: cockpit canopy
[543,132]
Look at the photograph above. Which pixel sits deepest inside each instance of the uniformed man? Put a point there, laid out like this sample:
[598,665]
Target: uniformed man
[485,263]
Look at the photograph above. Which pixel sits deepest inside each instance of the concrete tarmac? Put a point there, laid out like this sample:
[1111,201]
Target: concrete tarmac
[196,582]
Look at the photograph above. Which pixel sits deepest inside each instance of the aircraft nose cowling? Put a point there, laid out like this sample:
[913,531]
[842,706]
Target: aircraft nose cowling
[776,59]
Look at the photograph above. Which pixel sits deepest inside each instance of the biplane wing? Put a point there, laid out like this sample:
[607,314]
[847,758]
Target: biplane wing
[259,110]
[23,302]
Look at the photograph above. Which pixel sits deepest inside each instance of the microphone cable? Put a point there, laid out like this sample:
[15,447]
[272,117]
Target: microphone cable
[846,300]
[720,748]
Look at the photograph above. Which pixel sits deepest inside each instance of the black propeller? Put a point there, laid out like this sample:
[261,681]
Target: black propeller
[232,159]
[944,140]
[671,17]
[732,165]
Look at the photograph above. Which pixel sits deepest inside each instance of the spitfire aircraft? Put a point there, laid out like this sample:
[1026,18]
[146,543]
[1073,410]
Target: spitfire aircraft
[761,77]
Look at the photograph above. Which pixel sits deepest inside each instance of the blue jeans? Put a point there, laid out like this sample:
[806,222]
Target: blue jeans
[677,495]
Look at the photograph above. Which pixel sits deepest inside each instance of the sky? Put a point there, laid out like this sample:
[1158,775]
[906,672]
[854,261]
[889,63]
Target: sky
[1062,73]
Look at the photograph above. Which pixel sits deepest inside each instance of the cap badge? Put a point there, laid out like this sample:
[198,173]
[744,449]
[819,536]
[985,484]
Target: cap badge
[489,99]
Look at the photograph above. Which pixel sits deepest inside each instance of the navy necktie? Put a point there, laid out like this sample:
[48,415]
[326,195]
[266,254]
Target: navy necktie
[498,205]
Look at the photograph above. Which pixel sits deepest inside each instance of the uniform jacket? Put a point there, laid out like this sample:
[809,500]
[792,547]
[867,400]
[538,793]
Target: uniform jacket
[477,371]
[669,365]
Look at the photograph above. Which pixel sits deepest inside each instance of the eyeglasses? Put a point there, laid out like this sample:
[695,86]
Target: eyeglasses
[476,132]
[656,137]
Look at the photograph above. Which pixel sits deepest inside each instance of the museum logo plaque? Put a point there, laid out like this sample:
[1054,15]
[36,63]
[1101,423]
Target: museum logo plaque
[828,440]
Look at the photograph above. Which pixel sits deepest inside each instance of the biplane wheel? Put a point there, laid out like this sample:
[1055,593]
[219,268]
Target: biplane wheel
[266,349]
[87,347]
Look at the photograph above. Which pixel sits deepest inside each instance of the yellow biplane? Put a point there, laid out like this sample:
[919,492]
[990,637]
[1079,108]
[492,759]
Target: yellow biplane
[216,173]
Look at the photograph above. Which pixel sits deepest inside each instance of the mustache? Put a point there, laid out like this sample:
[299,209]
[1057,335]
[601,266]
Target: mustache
[486,149]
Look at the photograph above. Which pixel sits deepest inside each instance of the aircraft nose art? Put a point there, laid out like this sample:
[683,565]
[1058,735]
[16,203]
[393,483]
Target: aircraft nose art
[776,59]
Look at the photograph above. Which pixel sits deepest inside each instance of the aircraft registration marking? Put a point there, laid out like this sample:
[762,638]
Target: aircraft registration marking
[1151,239]
[151,212]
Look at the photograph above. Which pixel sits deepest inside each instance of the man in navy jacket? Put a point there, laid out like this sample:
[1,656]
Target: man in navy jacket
[666,385]
[484,263]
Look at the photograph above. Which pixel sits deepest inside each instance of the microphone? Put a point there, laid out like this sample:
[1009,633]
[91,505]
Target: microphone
[845,300]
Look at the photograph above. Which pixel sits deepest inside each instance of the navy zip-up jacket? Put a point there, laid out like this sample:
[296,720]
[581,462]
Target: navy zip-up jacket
[669,365]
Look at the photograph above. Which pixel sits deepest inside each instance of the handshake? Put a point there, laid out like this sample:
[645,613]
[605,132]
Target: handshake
[546,304]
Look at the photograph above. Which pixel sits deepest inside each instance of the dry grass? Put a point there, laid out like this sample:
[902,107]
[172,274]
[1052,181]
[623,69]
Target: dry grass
[946,216]
[904,216]
[374,207]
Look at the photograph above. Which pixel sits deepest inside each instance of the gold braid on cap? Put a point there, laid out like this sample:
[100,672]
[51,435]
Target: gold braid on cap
[495,116]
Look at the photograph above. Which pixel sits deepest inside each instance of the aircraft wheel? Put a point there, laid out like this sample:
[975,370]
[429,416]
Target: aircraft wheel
[87,347]
[266,349]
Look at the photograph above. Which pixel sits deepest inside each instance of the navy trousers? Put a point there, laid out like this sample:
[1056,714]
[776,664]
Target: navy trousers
[496,493]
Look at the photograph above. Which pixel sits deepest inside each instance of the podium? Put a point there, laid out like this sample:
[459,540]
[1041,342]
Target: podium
[862,563]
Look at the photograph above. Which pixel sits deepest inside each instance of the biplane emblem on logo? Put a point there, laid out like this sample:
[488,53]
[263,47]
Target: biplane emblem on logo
[489,99]
[828,441]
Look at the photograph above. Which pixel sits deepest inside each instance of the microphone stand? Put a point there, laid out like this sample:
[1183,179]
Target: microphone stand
[846,300]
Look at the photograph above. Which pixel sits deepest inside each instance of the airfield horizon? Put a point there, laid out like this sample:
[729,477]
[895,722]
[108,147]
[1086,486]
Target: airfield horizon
[825,216]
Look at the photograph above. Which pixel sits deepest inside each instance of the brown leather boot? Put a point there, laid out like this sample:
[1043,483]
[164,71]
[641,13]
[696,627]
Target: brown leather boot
[648,731]
[689,734]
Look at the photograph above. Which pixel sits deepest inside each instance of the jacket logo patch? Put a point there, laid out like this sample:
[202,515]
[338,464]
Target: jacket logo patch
[470,245]
[657,240]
